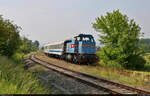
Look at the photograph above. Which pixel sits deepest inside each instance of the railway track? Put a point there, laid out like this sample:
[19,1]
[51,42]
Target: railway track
[91,80]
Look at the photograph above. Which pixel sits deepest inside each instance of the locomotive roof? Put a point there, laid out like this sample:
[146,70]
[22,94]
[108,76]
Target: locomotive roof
[85,35]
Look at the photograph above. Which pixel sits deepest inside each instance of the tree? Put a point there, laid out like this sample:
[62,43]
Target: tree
[35,45]
[120,36]
[144,43]
[28,45]
[9,37]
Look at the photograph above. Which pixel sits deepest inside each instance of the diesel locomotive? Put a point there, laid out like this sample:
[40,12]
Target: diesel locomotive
[79,49]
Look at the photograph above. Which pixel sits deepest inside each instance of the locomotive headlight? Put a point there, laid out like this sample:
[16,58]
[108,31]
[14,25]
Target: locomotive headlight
[72,45]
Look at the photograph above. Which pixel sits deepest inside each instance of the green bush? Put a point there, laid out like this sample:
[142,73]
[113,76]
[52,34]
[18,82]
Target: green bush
[136,62]
[147,65]
[148,59]
[17,57]
[15,80]
[111,64]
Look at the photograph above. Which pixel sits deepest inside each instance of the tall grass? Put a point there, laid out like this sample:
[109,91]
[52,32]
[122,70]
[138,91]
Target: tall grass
[19,56]
[15,80]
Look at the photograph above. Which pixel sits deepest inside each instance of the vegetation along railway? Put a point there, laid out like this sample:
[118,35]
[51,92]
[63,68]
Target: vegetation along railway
[91,80]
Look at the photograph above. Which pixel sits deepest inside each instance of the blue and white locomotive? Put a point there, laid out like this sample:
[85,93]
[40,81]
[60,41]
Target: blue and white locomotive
[81,48]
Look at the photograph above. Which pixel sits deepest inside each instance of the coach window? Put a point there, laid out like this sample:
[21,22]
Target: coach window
[54,46]
[57,46]
[49,47]
[60,46]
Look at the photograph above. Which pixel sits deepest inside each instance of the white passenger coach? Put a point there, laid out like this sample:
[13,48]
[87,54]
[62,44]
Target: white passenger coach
[54,48]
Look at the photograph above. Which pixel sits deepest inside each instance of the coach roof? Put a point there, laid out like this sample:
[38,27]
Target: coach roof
[54,43]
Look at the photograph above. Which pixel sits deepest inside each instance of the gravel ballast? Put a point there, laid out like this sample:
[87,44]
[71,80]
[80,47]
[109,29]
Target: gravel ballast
[62,84]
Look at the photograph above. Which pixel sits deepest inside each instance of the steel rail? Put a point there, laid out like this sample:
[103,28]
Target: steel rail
[72,76]
[127,87]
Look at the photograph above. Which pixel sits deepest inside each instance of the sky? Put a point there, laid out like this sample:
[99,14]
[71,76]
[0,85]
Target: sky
[55,20]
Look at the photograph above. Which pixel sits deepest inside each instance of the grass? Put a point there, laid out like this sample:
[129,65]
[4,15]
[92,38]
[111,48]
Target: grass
[138,77]
[15,80]
[19,56]
[116,75]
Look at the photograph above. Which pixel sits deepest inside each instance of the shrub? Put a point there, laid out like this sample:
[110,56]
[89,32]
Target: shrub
[17,57]
[148,59]
[136,62]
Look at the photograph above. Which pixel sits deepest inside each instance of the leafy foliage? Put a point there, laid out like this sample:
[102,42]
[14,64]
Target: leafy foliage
[145,44]
[13,78]
[29,46]
[120,36]
[10,40]
[9,37]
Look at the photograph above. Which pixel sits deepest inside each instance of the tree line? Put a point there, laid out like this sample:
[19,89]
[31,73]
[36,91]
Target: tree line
[11,41]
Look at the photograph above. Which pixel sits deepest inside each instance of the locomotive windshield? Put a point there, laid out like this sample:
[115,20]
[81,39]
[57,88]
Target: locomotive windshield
[87,39]
[84,38]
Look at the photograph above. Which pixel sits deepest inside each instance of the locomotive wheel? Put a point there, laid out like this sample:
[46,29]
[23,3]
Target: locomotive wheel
[69,57]
[75,59]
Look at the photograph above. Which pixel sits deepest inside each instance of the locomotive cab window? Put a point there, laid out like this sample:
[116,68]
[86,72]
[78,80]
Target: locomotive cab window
[88,39]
